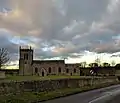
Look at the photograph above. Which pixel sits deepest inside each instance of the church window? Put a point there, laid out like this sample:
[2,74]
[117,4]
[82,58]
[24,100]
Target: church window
[67,70]
[26,56]
[49,69]
[74,70]
[59,70]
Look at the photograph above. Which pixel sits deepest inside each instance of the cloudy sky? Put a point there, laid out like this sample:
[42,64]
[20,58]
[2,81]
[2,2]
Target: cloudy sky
[78,30]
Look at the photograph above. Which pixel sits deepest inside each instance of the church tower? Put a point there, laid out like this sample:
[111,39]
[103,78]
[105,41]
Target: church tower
[25,61]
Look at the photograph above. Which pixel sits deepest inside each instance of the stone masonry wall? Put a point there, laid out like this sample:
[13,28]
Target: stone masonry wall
[48,85]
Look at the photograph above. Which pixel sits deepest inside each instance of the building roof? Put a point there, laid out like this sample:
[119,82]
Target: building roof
[47,61]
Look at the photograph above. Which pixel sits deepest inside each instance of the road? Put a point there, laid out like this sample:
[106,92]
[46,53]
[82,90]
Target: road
[105,95]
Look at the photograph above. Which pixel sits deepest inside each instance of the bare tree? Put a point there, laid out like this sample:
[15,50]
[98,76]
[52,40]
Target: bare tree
[4,57]
[83,64]
[113,63]
[98,61]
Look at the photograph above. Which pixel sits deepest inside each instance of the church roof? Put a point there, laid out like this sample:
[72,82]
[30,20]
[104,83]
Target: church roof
[48,61]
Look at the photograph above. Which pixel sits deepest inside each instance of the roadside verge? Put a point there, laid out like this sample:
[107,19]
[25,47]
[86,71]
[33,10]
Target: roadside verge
[35,97]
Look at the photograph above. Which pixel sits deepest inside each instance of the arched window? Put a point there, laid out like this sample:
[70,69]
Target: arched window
[49,69]
[59,70]
[36,70]
[74,70]
[67,70]
[26,56]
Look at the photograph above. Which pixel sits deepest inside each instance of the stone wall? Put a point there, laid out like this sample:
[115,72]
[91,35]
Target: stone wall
[73,69]
[49,85]
[2,75]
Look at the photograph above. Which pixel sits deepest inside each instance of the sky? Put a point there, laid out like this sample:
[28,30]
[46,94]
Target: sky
[74,30]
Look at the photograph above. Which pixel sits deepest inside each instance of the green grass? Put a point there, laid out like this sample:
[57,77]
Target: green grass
[28,97]
[22,78]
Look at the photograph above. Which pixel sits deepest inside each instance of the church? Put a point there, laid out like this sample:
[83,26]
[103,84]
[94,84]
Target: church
[29,66]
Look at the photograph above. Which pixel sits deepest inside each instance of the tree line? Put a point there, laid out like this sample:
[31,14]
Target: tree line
[98,63]
[4,59]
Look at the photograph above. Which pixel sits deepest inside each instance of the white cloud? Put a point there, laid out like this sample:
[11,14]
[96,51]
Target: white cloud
[113,6]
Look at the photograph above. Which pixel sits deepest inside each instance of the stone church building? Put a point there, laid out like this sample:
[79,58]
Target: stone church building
[29,66]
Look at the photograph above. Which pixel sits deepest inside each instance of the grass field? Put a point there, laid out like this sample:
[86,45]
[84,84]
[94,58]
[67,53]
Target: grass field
[24,78]
[37,77]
